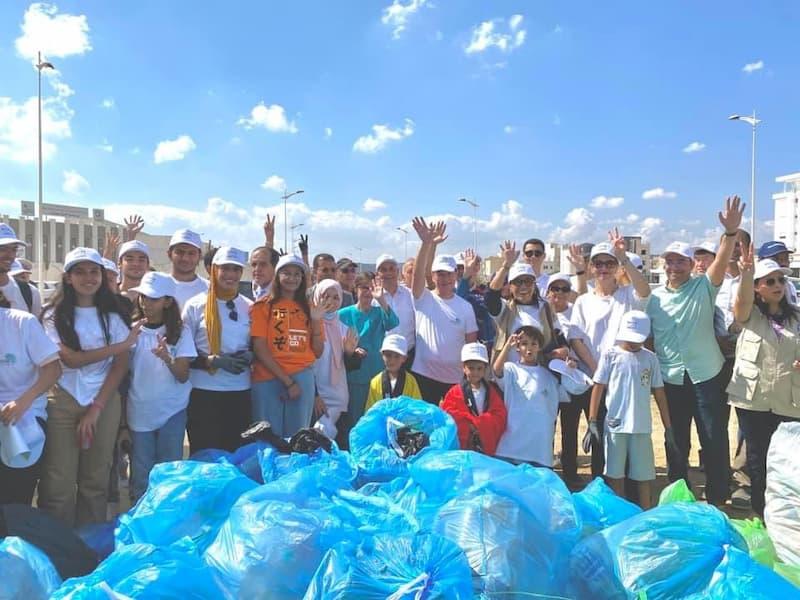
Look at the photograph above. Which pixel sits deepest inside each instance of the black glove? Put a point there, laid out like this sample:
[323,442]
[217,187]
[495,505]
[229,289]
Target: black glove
[592,434]
[230,363]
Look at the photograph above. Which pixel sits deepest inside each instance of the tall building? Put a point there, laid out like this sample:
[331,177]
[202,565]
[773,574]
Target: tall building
[787,215]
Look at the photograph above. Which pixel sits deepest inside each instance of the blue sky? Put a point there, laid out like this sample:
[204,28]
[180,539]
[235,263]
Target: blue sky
[555,117]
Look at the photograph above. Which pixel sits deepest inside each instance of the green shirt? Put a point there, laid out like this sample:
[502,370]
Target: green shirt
[683,330]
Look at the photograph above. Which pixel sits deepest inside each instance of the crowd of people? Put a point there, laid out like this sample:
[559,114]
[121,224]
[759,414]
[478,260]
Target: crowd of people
[123,356]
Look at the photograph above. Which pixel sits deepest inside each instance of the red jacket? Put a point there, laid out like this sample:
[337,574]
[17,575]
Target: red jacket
[490,425]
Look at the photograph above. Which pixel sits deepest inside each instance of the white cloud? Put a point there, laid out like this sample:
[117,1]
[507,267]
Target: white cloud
[579,226]
[18,128]
[753,66]
[397,15]
[607,201]
[694,147]
[328,133]
[272,118]
[371,204]
[108,103]
[487,35]
[509,129]
[657,194]
[106,147]
[276,183]
[381,136]
[632,218]
[62,89]
[54,35]
[176,149]
[74,183]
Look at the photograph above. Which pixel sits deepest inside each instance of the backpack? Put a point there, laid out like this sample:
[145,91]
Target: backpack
[27,294]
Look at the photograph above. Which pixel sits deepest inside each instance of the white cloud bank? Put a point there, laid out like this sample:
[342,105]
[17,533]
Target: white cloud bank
[381,136]
[272,118]
[506,36]
[397,14]
[170,150]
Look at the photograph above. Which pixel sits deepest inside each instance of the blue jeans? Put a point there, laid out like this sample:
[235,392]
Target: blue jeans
[271,403]
[149,448]
[705,402]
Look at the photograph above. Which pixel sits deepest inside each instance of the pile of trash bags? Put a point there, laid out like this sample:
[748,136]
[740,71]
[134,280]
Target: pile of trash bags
[405,515]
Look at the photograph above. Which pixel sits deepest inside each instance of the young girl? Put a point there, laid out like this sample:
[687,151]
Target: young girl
[475,404]
[532,394]
[394,380]
[83,414]
[160,388]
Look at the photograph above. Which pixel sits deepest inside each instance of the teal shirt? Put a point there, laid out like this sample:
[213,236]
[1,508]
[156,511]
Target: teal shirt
[371,328]
[683,331]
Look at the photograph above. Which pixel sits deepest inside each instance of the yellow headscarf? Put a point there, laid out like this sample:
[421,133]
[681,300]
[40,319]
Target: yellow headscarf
[213,324]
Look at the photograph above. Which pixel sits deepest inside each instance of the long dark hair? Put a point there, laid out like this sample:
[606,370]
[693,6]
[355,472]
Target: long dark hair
[61,309]
[300,297]
[171,319]
[786,311]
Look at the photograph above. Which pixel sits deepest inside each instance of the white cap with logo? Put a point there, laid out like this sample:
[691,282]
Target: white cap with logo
[186,236]
[602,248]
[565,277]
[156,285]
[767,266]
[290,259]
[110,265]
[80,254]
[228,255]
[520,269]
[395,342]
[635,327]
[383,258]
[444,262]
[9,236]
[679,248]
[134,246]
[474,351]
[709,247]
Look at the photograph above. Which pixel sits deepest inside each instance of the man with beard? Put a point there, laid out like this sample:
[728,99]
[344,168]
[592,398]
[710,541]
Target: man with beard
[185,251]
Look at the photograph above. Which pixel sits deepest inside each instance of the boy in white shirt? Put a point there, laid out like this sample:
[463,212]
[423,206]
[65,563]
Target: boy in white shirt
[629,372]
[532,394]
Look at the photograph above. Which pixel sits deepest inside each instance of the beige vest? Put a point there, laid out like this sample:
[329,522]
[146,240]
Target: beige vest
[763,377]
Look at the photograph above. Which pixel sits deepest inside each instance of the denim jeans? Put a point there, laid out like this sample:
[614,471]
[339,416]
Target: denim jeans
[271,403]
[148,448]
[704,402]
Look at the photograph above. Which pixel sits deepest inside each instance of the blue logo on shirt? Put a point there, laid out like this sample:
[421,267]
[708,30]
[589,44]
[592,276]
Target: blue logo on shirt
[8,359]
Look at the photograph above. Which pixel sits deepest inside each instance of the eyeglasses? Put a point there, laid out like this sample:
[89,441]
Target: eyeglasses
[536,253]
[770,281]
[562,289]
[524,281]
[231,306]
[608,264]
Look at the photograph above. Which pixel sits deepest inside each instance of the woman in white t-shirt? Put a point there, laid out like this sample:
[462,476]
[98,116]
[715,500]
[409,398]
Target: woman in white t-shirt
[160,388]
[28,368]
[89,326]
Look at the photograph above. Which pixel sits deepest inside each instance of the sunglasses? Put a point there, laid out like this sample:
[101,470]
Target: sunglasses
[770,281]
[231,306]
[608,264]
[536,253]
[562,289]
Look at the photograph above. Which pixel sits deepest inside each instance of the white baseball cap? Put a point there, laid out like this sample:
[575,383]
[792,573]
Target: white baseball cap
[290,259]
[395,343]
[9,236]
[21,444]
[444,262]
[565,277]
[186,236]
[520,269]
[602,248]
[17,269]
[767,266]
[474,351]
[228,255]
[635,327]
[80,254]
[384,258]
[575,381]
[460,259]
[110,265]
[134,246]
[156,285]
[680,248]
[636,260]
[710,247]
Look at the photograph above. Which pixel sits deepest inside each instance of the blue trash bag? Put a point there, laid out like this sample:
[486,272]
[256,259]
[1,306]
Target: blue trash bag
[274,465]
[417,566]
[739,577]
[184,499]
[666,552]
[404,493]
[370,439]
[517,531]
[25,571]
[599,507]
[145,571]
[99,536]
[444,475]
[246,458]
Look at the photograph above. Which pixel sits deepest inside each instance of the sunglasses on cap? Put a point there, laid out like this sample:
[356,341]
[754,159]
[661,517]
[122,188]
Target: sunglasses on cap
[536,253]
[770,281]
[231,306]
[563,289]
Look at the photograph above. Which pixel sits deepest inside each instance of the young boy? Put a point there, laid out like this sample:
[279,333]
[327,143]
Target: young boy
[532,394]
[627,373]
[475,404]
[394,380]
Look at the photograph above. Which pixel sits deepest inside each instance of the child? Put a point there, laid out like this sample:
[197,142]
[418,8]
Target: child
[627,373]
[475,404]
[160,388]
[532,394]
[394,380]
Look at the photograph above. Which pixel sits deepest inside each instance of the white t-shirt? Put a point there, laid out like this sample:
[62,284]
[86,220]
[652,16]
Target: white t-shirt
[480,399]
[599,317]
[13,294]
[84,383]
[441,328]
[402,303]
[155,395]
[334,395]
[630,376]
[542,281]
[532,395]
[186,290]
[726,296]
[25,348]
[235,337]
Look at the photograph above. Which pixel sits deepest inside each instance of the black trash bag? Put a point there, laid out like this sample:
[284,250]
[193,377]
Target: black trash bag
[411,441]
[305,441]
[308,441]
[69,554]
[262,431]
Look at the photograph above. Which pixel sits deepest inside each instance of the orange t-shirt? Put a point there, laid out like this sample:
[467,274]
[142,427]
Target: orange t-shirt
[288,333]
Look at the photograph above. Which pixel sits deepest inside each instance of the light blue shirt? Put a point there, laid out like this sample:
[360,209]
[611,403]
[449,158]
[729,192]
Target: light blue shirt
[683,330]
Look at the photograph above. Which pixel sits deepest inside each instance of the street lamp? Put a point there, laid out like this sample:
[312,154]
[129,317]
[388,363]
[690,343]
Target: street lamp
[753,122]
[285,197]
[360,250]
[474,206]
[39,221]
[293,227]
[405,232]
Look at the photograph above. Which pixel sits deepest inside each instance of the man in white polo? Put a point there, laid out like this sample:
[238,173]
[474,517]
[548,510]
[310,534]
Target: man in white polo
[185,251]
[400,299]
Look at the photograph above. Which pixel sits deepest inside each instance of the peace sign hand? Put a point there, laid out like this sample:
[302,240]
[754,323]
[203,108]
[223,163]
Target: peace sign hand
[162,350]
[618,244]
[746,259]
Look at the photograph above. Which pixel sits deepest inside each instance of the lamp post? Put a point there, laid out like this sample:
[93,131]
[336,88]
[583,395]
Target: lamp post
[360,250]
[753,122]
[293,227]
[285,197]
[474,206]
[405,232]
[39,216]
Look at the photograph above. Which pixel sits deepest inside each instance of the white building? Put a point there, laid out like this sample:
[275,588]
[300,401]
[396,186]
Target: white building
[787,214]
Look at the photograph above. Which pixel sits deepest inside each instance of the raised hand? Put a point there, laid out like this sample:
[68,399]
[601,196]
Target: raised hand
[134,225]
[111,245]
[509,252]
[423,230]
[162,350]
[133,334]
[319,309]
[350,341]
[576,258]
[269,231]
[472,263]
[731,217]
[303,244]
[379,294]
[438,230]
[618,244]
[746,259]
[513,340]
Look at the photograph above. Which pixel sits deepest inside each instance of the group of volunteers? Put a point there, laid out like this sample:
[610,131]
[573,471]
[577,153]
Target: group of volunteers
[123,353]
